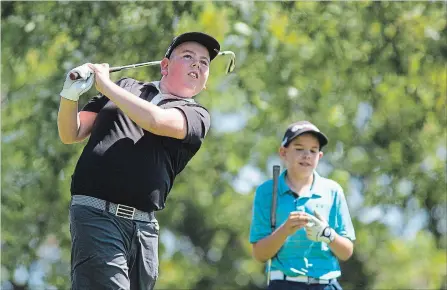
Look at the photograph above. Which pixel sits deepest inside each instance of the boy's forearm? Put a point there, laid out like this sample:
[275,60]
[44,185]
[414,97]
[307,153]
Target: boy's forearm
[342,247]
[140,111]
[269,246]
[68,121]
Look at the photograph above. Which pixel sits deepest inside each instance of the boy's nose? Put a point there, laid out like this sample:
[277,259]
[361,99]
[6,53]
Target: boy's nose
[306,153]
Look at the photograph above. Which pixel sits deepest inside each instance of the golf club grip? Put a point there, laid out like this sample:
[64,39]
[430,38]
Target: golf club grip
[74,76]
[276,169]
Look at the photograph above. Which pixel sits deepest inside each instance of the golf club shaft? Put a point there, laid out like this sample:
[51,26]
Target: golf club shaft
[75,75]
[276,172]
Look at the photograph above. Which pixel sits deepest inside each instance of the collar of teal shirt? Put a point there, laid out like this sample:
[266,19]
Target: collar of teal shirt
[283,187]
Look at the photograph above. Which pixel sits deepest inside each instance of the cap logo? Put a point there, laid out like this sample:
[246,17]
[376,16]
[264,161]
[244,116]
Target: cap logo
[305,126]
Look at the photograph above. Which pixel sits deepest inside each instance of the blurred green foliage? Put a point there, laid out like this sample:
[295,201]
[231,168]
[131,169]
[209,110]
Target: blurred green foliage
[372,75]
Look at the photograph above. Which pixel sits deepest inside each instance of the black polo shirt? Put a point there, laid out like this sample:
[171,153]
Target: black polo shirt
[125,164]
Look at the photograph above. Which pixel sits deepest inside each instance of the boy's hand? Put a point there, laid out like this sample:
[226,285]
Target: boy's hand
[295,221]
[102,77]
[318,230]
[74,88]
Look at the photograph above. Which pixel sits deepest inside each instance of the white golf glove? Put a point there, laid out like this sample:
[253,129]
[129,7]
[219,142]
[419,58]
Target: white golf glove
[74,88]
[318,230]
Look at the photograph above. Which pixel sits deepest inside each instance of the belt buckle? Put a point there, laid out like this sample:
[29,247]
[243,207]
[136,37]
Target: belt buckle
[125,211]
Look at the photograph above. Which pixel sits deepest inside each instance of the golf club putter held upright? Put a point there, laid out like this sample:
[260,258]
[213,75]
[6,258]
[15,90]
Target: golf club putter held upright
[230,67]
[276,171]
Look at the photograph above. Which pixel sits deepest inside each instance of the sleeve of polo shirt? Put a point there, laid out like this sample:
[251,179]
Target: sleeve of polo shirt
[260,223]
[98,102]
[343,223]
[198,123]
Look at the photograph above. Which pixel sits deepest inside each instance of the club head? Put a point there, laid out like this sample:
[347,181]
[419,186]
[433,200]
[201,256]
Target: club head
[232,62]
[231,65]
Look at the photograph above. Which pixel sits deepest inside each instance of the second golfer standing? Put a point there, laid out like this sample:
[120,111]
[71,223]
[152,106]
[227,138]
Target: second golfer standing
[141,136]
[313,229]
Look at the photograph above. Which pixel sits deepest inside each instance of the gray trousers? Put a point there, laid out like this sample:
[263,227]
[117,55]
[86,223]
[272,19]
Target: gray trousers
[110,252]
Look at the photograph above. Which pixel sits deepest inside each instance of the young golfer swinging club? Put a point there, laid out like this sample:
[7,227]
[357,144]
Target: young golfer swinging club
[141,135]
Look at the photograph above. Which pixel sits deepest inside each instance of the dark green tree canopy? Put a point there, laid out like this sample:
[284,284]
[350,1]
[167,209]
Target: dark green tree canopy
[371,75]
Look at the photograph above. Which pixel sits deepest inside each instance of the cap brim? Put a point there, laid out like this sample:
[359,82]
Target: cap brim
[321,137]
[211,44]
[323,140]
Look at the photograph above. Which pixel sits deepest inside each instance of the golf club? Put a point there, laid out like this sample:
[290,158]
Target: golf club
[230,67]
[276,172]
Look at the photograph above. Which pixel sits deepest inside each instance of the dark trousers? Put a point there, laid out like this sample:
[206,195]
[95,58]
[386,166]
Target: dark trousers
[110,252]
[289,285]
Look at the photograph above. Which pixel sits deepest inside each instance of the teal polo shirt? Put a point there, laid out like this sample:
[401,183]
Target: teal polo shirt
[299,255]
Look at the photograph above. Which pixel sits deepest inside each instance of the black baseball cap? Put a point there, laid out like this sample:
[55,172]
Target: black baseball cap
[206,40]
[301,127]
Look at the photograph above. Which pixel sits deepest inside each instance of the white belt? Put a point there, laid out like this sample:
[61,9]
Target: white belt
[278,275]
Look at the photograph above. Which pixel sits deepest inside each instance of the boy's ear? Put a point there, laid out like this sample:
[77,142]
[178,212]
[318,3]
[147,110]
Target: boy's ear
[164,66]
[282,152]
